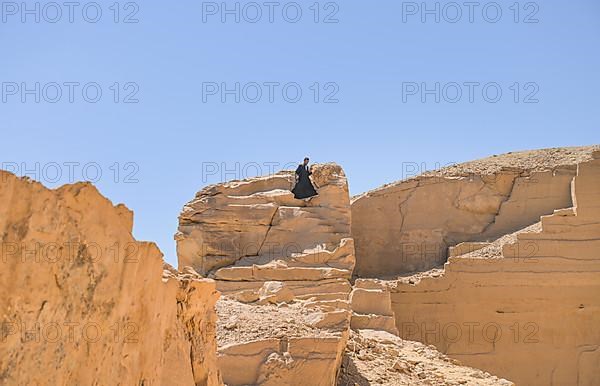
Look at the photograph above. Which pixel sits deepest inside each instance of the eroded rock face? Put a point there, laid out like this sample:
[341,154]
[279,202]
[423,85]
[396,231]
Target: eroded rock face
[88,304]
[256,230]
[525,307]
[84,303]
[408,226]
[283,266]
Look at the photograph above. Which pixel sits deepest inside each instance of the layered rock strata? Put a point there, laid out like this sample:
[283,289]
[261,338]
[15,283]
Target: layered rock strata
[255,230]
[408,226]
[283,266]
[527,305]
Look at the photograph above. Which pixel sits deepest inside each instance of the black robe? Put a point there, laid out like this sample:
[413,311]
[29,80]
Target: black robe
[304,188]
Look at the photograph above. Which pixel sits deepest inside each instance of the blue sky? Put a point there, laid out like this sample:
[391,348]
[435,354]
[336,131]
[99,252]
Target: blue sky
[379,67]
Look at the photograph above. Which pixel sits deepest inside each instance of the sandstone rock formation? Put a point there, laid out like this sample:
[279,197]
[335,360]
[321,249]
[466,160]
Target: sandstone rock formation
[256,230]
[283,266]
[526,306]
[408,226]
[266,294]
[84,303]
[286,313]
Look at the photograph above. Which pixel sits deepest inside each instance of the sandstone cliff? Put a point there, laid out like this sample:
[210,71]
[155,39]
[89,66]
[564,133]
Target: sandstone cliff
[256,230]
[84,303]
[88,304]
[526,306]
[408,226]
[283,266]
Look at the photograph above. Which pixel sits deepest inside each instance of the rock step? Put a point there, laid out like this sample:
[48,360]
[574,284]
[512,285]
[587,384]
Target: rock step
[328,305]
[371,305]
[373,322]
[371,301]
[270,273]
[324,296]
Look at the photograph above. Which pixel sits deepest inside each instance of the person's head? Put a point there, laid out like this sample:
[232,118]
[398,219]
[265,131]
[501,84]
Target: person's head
[306,161]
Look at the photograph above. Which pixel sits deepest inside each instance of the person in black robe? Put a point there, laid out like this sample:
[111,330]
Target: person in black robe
[304,187]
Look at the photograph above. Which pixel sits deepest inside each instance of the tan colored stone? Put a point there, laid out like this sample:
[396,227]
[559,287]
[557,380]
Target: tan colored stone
[84,303]
[372,306]
[407,226]
[371,301]
[268,345]
[257,221]
[337,318]
[373,322]
[300,258]
[520,287]
[275,292]
[321,290]
[528,315]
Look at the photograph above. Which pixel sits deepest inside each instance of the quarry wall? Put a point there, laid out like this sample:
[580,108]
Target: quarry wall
[408,226]
[527,306]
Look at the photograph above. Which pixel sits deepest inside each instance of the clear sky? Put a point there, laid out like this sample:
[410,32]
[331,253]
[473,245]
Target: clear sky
[369,74]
